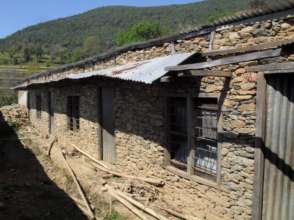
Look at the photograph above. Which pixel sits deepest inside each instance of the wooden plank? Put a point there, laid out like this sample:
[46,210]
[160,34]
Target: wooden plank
[227,60]
[76,181]
[136,203]
[270,72]
[190,133]
[271,67]
[99,121]
[127,204]
[259,142]
[239,50]
[211,40]
[216,73]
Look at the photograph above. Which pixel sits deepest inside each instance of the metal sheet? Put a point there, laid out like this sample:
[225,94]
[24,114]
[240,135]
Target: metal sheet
[278,198]
[146,71]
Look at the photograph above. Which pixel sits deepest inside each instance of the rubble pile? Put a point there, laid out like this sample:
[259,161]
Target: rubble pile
[14,114]
[138,190]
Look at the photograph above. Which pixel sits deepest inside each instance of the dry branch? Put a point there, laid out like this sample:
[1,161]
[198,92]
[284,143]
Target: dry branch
[90,157]
[178,215]
[137,204]
[127,204]
[155,182]
[51,145]
[152,181]
[81,206]
[78,185]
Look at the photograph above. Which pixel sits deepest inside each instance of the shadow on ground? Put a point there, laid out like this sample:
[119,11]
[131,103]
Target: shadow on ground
[26,192]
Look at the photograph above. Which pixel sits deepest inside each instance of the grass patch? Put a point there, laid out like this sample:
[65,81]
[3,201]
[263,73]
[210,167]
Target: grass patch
[114,216]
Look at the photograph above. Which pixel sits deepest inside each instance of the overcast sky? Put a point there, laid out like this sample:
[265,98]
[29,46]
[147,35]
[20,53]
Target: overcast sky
[18,14]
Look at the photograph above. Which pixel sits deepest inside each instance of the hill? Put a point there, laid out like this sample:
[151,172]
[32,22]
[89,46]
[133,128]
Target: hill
[66,40]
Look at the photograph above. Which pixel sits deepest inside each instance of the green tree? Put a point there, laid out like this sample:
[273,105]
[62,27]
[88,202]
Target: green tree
[39,53]
[91,45]
[27,54]
[142,31]
[12,53]
[258,4]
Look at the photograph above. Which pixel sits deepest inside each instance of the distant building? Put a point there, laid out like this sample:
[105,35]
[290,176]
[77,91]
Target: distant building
[210,111]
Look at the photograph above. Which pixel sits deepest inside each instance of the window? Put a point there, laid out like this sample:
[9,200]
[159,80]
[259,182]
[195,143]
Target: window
[73,112]
[202,136]
[38,106]
[205,125]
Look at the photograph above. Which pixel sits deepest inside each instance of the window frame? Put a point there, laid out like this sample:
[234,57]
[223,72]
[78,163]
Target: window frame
[189,173]
[73,112]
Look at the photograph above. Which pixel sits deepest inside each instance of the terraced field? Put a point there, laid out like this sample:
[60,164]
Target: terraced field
[12,75]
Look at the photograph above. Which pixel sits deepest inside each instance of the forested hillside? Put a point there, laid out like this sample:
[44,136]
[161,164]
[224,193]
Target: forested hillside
[70,39]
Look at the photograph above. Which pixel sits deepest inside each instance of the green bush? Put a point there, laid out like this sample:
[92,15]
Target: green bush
[7,100]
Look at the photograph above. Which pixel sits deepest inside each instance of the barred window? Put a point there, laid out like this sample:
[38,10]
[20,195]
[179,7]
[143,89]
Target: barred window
[206,152]
[38,106]
[203,135]
[73,113]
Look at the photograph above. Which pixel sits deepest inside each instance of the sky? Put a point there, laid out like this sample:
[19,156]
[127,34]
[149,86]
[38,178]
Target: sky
[18,14]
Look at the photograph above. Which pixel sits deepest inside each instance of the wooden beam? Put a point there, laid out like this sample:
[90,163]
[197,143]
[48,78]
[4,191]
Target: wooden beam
[290,71]
[271,67]
[76,181]
[211,40]
[216,73]
[227,60]
[136,203]
[240,50]
[259,143]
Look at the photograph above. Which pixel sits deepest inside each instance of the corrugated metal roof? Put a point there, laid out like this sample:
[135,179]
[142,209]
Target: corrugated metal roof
[146,71]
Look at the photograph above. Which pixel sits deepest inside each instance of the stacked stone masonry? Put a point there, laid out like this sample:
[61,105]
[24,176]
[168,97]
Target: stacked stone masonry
[139,117]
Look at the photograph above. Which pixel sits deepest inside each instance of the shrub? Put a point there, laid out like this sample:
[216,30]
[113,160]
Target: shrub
[7,100]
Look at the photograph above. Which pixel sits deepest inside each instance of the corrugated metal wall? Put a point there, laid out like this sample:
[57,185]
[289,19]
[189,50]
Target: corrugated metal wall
[278,190]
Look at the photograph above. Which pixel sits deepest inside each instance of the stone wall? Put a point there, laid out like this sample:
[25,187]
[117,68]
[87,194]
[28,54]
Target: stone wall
[141,146]
[42,124]
[87,137]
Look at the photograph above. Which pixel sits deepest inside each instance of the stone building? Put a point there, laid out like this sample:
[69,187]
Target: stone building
[209,111]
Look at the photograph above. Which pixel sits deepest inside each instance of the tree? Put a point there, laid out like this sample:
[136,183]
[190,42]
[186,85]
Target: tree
[258,4]
[143,31]
[12,52]
[91,46]
[27,54]
[39,53]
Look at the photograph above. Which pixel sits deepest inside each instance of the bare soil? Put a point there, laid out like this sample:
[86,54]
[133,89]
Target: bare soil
[26,191]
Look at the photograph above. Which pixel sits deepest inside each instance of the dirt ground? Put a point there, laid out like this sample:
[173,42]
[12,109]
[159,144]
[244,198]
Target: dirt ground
[26,191]
[33,186]
[36,186]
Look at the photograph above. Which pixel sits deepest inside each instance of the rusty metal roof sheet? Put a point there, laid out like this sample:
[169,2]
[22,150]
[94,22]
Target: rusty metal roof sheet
[146,71]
